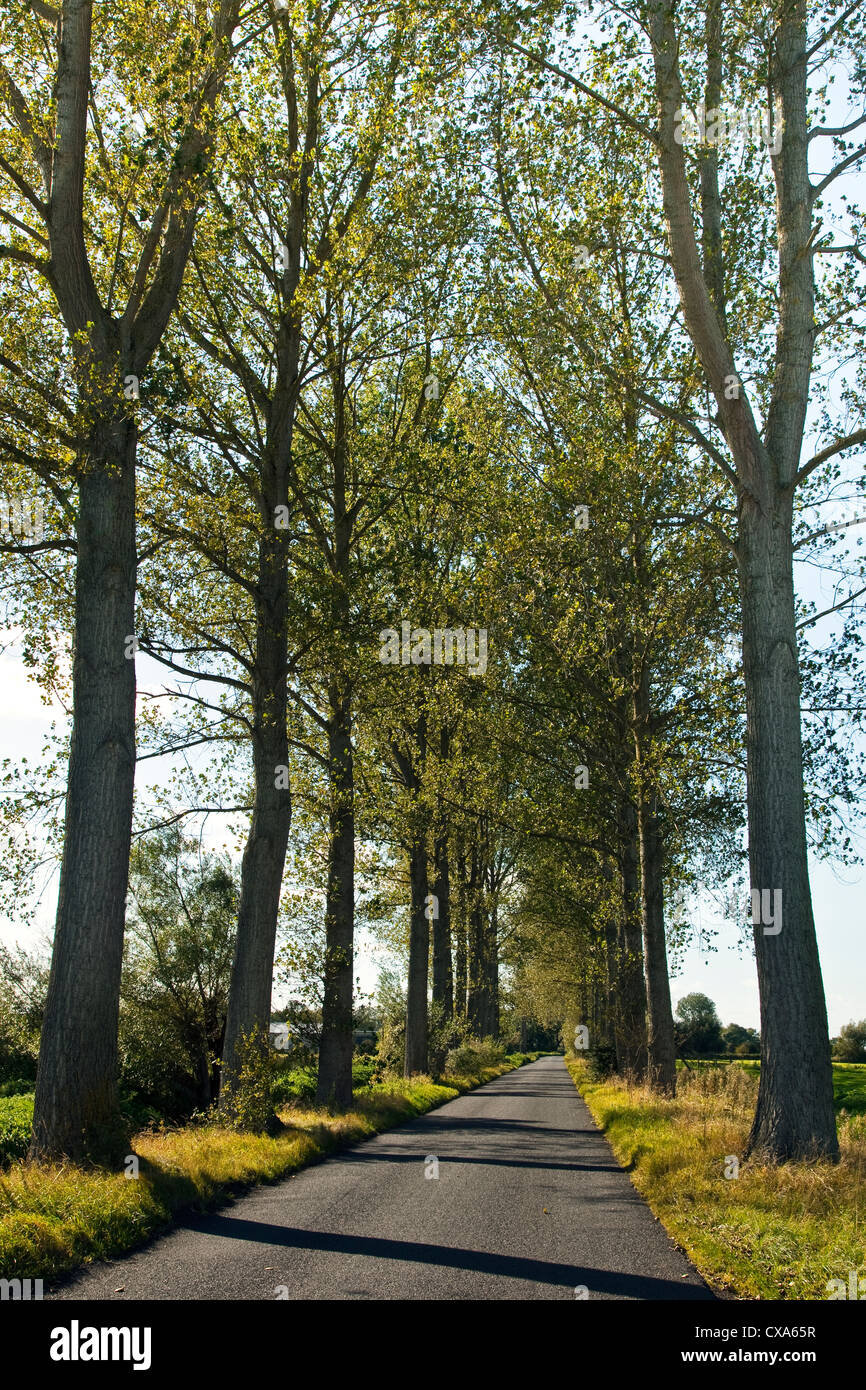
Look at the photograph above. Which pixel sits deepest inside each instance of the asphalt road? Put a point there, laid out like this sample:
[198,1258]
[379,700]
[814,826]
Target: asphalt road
[529,1202]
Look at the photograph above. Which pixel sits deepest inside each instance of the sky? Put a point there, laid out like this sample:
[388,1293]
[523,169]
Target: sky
[729,977]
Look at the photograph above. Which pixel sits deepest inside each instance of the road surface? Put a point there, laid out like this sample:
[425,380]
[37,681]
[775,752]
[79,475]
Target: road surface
[529,1203]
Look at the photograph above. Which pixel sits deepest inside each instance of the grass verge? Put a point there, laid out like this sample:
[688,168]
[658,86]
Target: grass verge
[55,1219]
[772,1232]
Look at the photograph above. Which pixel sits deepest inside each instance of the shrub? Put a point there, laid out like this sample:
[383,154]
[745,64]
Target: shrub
[444,1037]
[291,1084]
[16,1123]
[249,1090]
[20,1087]
[602,1062]
[850,1046]
[364,1070]
[473,1056]
[19,1045]
[390,1053]
[154,1067]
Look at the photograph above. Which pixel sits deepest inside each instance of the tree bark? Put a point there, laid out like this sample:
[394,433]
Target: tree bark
[630,1014]
[334,1086]
[249,1006]
[475,943]
[661,1051]
[75,1110]
[460,933]
[443,986]
[491,974]
[419,953]
[795,1117]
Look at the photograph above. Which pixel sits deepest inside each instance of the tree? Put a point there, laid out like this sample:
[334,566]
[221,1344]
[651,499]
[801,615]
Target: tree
[745,1042]
[850,1046]
[636,601]
[179,946]
[794,1117]
[730,319]
[275,345]
[700,1025]
[72,162]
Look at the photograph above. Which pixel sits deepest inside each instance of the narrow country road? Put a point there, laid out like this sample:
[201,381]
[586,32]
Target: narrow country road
[529,1202]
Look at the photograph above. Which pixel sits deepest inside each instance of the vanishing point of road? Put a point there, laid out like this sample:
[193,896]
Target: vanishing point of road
[529,1203]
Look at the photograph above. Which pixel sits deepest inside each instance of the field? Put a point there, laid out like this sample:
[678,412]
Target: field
[849,1080]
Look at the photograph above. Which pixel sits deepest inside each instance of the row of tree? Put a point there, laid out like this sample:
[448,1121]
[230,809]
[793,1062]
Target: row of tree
[458,492]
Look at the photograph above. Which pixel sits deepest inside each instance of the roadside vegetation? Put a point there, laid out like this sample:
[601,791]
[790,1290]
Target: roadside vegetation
[55,1218]
[753,1230]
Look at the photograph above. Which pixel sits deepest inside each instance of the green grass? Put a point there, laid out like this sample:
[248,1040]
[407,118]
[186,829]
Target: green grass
[16,1120]
[849,1087]
[55,1218]
[771,1233]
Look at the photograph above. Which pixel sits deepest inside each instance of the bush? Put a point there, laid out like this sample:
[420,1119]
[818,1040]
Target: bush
[364,1071]
[16,1122]
[602,1062]
[21,1087]
[444,1036]
[154,1067]
[473,1056]
[19,1046]
[850,1046]
[249,1091]
[291,1084]
[390,1053]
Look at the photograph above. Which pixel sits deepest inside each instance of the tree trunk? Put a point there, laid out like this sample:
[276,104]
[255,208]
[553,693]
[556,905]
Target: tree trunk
[460,933]
[334,1085]
[249,1006]
[203,1075]
[795,1117]
[419,954]
[630,1018]
[661,1052]
[443,988]
[75,1110]
[491,975]
[475,945]
[610,1032]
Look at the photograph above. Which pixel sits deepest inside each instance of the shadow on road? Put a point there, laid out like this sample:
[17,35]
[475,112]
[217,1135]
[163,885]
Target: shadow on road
[395,1156]
[638,1286]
